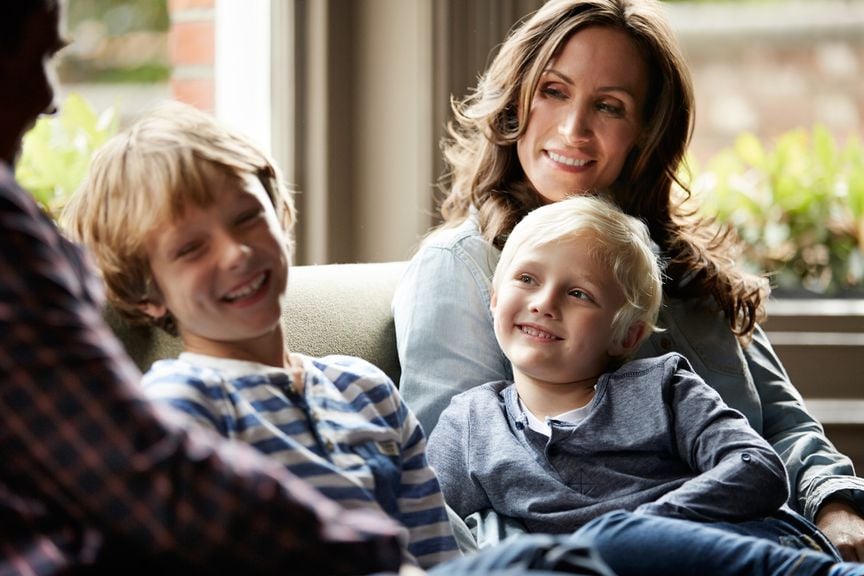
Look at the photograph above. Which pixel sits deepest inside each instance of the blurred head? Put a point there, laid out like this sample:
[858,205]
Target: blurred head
[595,88]
[29,39]
[587,232]
[174,160]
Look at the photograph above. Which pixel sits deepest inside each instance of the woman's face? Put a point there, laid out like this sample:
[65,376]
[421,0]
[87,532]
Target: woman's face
[586,114]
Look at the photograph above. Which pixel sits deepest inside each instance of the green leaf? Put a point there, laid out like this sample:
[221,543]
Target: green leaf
[749,148]
[797,205]
[56,153]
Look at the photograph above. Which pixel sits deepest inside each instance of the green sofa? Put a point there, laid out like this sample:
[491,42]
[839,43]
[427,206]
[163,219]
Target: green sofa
[332,309]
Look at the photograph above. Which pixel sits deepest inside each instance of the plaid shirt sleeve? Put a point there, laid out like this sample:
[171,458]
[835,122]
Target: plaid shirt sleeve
[87,462]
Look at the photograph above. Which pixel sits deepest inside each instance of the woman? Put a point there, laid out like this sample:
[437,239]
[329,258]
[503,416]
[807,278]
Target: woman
[594,96]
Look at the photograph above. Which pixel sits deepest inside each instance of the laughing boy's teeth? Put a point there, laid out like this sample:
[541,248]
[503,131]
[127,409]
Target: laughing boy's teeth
[566,160]
[248,289]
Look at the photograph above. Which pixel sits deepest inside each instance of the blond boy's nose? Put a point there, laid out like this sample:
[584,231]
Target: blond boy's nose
[544,304]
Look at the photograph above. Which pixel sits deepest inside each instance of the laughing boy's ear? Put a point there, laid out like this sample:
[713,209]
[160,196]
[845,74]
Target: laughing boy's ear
[153,305]
[152,308]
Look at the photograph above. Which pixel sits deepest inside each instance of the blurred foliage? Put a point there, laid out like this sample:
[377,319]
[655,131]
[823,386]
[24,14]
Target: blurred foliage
[116,41]
[73,71]
[798,206]
[120,16]
[57,151]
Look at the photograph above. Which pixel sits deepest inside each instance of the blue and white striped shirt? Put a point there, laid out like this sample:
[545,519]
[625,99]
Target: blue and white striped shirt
[347,432]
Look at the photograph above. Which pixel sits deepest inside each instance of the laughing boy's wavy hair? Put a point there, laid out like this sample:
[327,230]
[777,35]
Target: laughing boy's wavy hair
[145,176]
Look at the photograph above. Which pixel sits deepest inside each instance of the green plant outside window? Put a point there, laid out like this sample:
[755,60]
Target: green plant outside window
[57,151]
[798,206]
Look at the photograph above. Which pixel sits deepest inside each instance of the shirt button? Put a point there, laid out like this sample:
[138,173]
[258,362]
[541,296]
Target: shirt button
[745,457]
[329,445]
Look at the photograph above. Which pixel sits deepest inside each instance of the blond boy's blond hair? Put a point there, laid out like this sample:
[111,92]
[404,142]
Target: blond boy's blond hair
[146,176]
[613,238]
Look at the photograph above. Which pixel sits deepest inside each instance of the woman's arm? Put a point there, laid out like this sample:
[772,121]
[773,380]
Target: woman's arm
[818,473]
[444,332]
[816,469]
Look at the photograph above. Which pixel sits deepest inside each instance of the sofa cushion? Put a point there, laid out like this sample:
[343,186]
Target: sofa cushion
[332,309]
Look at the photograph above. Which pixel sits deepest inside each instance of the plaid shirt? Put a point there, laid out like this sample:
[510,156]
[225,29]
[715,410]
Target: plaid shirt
[93,476]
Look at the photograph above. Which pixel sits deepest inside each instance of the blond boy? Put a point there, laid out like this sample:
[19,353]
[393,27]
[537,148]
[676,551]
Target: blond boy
[581,431]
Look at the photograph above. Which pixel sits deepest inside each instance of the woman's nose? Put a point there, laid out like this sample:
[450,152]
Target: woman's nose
[575,125]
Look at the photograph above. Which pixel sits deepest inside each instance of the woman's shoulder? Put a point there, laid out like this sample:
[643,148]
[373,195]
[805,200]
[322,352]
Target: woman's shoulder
[462,243]
[465,234]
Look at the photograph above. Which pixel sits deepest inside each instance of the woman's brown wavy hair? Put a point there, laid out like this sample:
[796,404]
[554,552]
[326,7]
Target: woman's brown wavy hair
[484,171]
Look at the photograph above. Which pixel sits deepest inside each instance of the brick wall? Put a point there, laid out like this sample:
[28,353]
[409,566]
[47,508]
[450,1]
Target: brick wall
[192,47]
[761,70]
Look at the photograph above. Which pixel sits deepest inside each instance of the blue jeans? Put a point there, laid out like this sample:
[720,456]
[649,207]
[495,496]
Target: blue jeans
[625,544]
[529,555]
[785,527]
[644,545]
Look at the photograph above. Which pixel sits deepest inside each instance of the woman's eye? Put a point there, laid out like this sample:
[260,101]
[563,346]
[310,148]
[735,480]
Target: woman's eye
[611,109]
[553,91]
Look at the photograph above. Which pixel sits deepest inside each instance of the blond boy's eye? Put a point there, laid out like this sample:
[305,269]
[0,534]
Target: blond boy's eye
[579,294]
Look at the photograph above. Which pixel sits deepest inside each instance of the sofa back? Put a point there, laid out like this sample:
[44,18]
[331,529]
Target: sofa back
[332,309]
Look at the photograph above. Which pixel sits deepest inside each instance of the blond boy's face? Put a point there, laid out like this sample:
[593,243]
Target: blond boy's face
[553,310]
[222,270]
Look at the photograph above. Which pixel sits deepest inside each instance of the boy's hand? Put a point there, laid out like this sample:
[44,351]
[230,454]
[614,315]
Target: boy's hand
[411,570]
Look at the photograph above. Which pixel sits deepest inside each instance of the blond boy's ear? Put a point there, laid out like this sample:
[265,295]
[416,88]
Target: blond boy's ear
[493,300]
[628,343]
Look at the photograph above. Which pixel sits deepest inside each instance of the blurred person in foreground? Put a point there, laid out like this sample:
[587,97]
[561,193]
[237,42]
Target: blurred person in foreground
[94,477]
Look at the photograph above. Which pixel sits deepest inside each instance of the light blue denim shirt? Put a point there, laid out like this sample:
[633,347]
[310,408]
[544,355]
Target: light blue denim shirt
[447,345]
